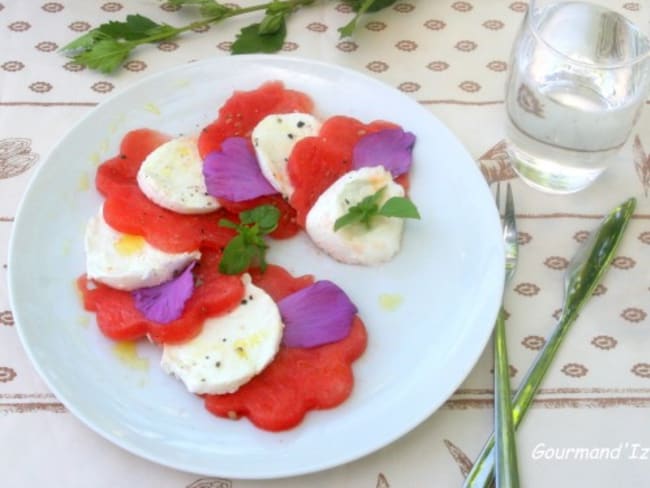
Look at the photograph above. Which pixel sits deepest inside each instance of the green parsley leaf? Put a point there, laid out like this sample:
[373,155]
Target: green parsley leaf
[215,10]
[250,40]
[361,7]
[105,55]
[399,207]
[272,23]
[348,29]
[135,27]
[207,8]
[367,208]
[374,5]
[85,41]
[180,3]
[248,247]
[105,47]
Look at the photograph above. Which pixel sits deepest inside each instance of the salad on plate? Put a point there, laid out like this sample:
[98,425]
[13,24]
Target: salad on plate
[176,254]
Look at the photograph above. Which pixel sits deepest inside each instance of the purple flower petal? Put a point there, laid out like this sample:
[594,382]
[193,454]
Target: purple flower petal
[316,315]
[390,148]
[233,172]
[164,303]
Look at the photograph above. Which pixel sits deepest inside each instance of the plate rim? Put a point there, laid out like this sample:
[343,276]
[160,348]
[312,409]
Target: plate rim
[136,450]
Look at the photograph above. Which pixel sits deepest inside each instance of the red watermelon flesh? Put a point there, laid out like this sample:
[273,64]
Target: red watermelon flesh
[317,162]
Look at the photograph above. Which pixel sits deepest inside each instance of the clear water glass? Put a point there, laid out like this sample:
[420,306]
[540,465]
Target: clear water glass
[579,78]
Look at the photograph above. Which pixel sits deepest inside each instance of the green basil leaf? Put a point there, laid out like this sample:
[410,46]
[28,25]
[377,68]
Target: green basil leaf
[352,217]
[249,233]
[259,256]
[236,256]
[229,224]
[399,207]
[366,209]
[248,247]
[266,216]
[258,241]
[362,211]
[372,200]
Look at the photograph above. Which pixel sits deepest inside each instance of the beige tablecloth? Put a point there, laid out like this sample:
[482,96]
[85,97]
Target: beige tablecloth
[452,57]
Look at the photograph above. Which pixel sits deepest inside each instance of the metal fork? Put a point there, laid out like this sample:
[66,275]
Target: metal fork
[507,472]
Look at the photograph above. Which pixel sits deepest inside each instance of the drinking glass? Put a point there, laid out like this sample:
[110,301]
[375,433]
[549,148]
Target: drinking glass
[579,78]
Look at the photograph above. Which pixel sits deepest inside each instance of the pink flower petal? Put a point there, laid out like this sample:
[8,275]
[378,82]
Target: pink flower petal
[164,303]
[390,148]
[233,172]
[318,314]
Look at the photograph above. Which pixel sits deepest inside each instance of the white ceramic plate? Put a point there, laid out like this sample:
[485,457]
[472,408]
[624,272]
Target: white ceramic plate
[448,277]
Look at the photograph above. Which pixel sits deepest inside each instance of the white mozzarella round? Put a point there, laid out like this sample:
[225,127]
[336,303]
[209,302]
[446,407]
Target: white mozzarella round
[230,349]
[274,138]
[356,243]
[172,177]
[128,262]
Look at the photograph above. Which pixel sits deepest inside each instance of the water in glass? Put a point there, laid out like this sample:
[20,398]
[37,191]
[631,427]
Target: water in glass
[579,79]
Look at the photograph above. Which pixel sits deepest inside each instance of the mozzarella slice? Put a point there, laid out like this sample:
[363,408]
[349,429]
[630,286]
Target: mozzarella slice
[127,262]
[230,349]
[274,138]
[355,243]
[172,177]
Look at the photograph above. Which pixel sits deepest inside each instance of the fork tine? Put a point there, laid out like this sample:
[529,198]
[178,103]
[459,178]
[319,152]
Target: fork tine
[497,196]
[510,234]
[509,214]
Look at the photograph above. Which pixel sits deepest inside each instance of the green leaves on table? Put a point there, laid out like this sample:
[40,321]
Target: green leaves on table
[106,47]
[207,8]
[258,38]
[248,247]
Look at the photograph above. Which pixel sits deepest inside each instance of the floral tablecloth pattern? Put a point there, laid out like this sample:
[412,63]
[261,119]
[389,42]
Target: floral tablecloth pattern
[452,57]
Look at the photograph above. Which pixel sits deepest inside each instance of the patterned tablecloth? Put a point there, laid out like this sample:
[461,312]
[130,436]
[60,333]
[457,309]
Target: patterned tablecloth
[452,57]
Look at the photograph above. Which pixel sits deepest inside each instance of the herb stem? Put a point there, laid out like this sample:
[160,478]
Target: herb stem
[285,5]
[107,46]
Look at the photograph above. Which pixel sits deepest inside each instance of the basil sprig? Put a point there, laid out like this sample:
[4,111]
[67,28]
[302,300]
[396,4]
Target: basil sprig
[248,247]
[364,211]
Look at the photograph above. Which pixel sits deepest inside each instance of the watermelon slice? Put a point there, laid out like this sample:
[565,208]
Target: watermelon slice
[317,162]
[298,380]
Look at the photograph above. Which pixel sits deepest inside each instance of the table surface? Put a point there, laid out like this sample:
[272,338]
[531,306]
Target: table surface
[452,57]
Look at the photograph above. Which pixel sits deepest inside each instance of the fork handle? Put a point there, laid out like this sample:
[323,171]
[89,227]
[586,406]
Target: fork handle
[507,472]
[499,456]
[482,473]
